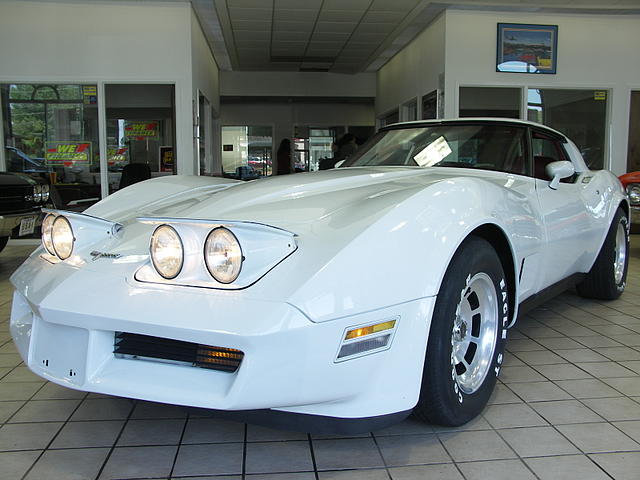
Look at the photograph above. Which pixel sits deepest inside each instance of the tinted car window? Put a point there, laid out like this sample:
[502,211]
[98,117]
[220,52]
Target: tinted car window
[545,150]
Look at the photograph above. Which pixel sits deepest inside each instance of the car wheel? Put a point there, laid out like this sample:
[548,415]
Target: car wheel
[3,242]
[467,337]
[608,276]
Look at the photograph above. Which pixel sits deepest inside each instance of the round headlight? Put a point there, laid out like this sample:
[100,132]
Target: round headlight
[62,237]
[47,227]
[37,193]
[633,191]
[167,253]
[223,255]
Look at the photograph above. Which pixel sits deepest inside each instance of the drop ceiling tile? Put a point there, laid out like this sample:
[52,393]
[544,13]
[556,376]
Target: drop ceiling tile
[302,4]
[249,43]
[329,37]
[393,6]
[297,15]
[346,4]
[253,52]
[369,37]
[322,52]
[251,25]
[340,15]
[335,27]
[247,3]
[384,17]
[327,45]
[376,27]
[252,35]
[250,14]
[287,51]
[280,35]
[293,26]
[288,44]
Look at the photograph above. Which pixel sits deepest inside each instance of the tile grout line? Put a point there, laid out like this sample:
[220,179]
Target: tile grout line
[115,442]
[46,448]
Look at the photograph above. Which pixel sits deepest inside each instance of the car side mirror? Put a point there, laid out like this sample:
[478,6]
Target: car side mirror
[557,171]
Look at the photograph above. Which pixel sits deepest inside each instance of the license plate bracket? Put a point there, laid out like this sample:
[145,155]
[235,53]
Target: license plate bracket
[60,351]
[27,226]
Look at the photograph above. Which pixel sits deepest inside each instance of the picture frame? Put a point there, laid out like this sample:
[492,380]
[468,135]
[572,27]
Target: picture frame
[526,48]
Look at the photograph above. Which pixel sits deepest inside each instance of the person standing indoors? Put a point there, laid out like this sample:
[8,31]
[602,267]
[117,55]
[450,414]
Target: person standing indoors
[283,158]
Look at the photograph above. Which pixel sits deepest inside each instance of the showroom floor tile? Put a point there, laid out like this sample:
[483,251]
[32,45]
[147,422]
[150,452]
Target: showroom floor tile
[567,406]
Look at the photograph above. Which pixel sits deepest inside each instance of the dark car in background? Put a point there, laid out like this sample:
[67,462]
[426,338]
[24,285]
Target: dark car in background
[21,198]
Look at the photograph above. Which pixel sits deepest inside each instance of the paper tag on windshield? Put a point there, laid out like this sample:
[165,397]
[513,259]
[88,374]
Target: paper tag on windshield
[433,153]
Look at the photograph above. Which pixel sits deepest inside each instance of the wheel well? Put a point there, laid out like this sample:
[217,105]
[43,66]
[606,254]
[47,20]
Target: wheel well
[625,208]
[498,240]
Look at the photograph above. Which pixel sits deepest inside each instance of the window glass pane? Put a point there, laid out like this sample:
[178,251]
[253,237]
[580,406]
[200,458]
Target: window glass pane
[545,150]
[579,114]
[140,133]
[430,106]
[490,102]
[51,132]
[246,151]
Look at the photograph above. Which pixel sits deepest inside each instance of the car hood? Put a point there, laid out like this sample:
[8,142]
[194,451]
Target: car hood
[285,201]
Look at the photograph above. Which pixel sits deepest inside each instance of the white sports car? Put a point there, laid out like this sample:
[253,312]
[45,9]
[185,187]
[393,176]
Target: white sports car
[338,300]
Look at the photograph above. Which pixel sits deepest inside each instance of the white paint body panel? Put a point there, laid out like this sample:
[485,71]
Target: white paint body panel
[370,244]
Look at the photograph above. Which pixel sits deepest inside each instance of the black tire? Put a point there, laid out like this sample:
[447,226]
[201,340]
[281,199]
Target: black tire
[608,277]
[448,396]
[3,242]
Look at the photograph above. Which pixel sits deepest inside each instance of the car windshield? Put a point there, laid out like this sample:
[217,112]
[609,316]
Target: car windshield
[488,147]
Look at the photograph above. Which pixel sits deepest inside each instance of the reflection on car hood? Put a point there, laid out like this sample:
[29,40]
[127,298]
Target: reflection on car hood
[299,198]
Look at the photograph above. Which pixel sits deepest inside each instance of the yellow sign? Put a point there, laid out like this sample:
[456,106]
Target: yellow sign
[600,95]
[67,153]
[141,130]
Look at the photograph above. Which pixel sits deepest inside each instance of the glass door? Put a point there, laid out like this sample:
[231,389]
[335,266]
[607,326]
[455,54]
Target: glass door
[140,132]
[247,151]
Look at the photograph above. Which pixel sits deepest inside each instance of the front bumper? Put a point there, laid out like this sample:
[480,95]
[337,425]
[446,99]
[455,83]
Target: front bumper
[64,319]
[9,222]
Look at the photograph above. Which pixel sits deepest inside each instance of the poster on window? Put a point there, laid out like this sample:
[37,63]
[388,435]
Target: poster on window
[141,130]
[67,153]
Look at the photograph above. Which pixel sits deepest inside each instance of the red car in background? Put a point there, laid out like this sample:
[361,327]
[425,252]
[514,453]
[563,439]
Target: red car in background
[631,183]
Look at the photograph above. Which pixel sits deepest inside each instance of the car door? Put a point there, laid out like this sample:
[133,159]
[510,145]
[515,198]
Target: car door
[566,213]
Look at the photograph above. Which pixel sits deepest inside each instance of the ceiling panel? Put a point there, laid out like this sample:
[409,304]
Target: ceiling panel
[296,15]
[293,4]
[340,15]
[280,35]
[252,35]
[250,14]
[343,35]
[394,5]
[346,4]
[335,27]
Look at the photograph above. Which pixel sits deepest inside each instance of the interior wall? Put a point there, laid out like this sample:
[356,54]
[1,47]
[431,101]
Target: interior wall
[113,42]
[297,84]
[594,52]
[414,71]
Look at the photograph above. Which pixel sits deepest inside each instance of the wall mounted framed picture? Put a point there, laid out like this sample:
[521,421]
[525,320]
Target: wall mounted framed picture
[524,48]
